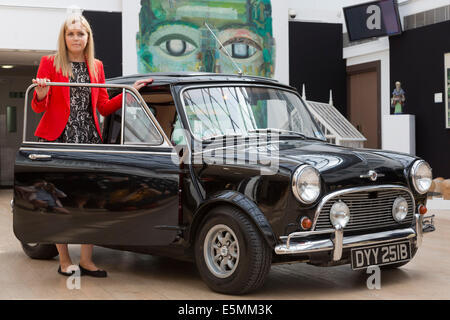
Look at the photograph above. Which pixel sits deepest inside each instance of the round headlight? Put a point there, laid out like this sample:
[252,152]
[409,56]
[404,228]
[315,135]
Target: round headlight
[400,209]
[306,184]
[339,214]
[421,176]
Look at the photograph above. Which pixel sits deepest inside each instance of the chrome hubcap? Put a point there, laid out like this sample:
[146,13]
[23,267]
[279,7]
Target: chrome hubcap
[221,251]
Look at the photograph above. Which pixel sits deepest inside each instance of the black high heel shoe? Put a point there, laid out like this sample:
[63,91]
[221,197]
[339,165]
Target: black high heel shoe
[67,274]
[96,274]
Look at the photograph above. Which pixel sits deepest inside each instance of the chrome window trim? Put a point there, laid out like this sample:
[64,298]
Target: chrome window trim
[146,146]
[122,122]
[236,84]
[152,119]
[164,140]
[170,153]
[335,194]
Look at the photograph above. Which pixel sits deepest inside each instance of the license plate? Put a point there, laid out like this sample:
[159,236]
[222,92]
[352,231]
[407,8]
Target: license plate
[379,255]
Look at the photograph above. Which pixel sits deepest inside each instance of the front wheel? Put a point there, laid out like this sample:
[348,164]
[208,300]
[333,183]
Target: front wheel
[40,251]
[231,255]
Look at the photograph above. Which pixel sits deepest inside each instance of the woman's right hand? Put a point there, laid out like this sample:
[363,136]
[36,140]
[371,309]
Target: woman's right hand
[42,88]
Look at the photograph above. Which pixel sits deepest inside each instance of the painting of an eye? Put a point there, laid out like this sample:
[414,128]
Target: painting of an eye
[177,47]
[241,48]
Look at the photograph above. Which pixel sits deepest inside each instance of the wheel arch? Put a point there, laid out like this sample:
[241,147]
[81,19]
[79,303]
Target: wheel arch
[237,200]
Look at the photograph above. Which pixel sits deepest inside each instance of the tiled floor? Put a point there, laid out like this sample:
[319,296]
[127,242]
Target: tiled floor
[137,276]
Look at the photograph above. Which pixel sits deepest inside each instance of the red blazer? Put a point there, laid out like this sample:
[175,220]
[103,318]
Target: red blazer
[57,102]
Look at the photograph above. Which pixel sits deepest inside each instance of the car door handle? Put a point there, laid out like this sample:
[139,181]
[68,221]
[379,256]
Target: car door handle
[40,157]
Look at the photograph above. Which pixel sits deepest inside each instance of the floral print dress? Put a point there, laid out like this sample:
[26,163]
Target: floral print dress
[80,127]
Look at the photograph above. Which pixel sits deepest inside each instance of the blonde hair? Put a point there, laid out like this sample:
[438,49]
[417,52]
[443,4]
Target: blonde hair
[61,61]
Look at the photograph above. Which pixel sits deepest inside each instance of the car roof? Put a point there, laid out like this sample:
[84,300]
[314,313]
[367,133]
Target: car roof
[162,78]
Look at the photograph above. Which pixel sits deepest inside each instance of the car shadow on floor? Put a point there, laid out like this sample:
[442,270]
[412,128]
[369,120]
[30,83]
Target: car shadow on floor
[144,265]
[328,282]
[295,281]
[281,280]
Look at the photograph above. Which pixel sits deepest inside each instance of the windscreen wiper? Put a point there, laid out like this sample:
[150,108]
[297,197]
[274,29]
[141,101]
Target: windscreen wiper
[279,131]
[223,136]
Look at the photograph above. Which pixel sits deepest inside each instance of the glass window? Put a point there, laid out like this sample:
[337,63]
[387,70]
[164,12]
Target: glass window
[217,111]
[138,127]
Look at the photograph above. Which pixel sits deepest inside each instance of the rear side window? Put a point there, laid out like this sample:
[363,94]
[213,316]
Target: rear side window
[138,127]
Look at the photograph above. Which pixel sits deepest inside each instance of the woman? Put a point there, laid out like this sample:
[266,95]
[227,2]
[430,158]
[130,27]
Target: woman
[70,112]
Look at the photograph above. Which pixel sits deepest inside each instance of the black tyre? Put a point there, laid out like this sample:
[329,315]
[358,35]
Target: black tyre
[40,251]
[400,264]
[231,255]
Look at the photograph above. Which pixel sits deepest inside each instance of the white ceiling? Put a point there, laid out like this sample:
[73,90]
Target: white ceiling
[21,57]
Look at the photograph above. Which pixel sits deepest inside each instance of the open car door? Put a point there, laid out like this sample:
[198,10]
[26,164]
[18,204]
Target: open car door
[120,193]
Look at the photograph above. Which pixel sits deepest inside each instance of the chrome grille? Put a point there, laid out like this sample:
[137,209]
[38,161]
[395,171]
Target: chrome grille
[368,210]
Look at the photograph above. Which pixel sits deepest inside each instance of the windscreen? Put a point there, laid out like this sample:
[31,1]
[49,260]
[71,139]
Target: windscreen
[240,110]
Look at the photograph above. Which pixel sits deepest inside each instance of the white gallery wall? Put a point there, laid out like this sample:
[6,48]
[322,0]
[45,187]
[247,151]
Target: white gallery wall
[130,27]
[330,11]
[34,25]
[97,5]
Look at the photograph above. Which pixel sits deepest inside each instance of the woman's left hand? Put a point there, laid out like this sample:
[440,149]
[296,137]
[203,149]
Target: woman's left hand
[142,83]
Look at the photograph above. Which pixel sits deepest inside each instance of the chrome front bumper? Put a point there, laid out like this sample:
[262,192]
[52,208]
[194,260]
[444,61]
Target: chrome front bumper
[336,242]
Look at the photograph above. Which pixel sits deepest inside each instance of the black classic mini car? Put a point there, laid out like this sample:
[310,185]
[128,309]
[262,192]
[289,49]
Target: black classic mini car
[231,172]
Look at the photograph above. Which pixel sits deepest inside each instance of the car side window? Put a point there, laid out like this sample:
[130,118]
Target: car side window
[131,124]
[138,127]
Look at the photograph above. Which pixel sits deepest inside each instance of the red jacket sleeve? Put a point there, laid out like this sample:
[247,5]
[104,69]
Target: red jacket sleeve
[104,105]
[44,71]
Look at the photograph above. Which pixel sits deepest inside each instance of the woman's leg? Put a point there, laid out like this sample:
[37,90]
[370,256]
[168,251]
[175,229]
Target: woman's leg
[86,257]
[64,257]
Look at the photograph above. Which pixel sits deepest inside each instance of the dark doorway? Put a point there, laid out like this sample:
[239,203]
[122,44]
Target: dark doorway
[316,60]
[417,61]
[13,84]
[107,30]
[364,104]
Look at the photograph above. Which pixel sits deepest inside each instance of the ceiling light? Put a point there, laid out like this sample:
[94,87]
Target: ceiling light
[5,66]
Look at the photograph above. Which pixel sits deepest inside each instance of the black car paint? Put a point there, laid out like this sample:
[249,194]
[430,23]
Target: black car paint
[267,199]
[111,198]
[272,193]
